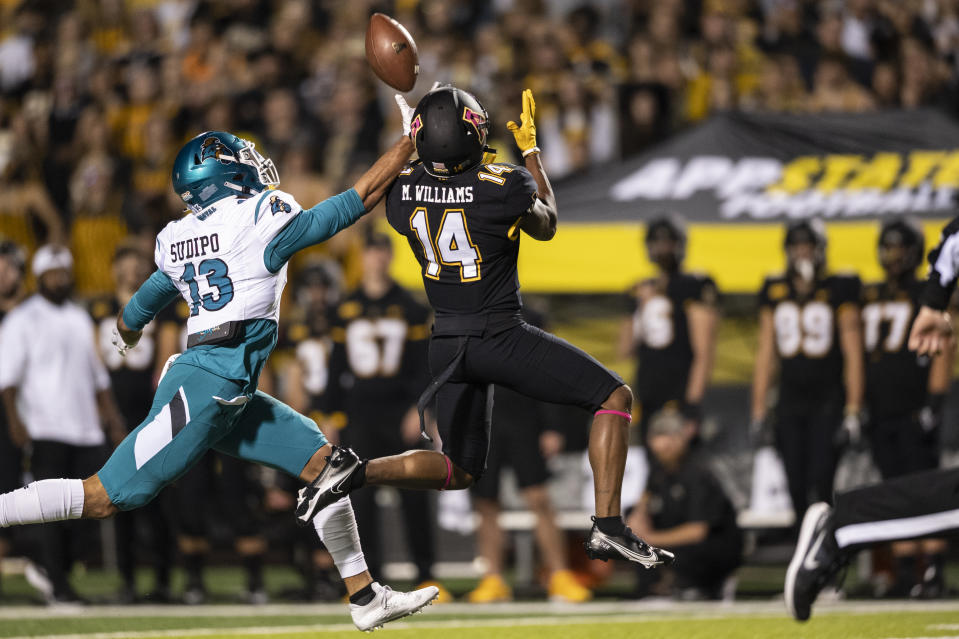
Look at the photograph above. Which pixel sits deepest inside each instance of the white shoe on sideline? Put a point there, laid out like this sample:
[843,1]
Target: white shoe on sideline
[389,605]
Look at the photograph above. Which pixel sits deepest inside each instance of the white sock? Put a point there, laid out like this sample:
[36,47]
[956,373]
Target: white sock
[336,526]
[41,502]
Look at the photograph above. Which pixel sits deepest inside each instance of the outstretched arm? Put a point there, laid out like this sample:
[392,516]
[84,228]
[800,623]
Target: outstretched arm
[540,222]
[152,296]
[372,185]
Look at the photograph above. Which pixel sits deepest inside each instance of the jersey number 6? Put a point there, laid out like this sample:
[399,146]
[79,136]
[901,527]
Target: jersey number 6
[453,241]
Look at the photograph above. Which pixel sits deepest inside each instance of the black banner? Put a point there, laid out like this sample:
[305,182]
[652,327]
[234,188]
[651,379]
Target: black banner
[740,167]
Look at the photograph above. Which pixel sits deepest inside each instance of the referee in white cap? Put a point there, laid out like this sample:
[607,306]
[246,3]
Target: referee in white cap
[56,394]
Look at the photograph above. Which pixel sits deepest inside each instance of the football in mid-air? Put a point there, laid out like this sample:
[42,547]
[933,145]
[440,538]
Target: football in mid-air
[391,52]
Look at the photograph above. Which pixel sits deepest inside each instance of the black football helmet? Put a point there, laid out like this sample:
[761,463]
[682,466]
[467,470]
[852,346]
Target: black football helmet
[449,129]
[807,231]
[670,227]
[901,246]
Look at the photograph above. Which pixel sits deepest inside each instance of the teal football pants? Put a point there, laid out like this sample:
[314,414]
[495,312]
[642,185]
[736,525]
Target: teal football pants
[193,411]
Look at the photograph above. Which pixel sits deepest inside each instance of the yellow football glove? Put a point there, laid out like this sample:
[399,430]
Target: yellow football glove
[525,134]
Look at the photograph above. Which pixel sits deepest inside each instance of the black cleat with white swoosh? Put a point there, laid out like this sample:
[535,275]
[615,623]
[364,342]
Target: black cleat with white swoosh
[625,546]
[816,561]
[331,485]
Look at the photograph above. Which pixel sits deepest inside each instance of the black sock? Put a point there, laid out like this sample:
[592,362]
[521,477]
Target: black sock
[611,525]
[358,478]
[193,565]
[363,596]
[254,572]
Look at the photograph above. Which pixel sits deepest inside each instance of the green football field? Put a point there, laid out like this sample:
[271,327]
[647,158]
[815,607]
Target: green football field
[871,620]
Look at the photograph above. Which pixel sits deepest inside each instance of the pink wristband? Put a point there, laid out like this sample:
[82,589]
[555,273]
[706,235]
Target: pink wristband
[619,413]
[449,473]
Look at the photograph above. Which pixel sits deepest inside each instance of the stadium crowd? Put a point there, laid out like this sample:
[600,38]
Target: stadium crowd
[96,97]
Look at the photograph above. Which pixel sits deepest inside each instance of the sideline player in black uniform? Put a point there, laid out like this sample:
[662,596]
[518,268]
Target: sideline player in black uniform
[809,321]
[673,328]
[904,393]
[462,218]
[12,270]
[378,369]
[908,507]
[132,378]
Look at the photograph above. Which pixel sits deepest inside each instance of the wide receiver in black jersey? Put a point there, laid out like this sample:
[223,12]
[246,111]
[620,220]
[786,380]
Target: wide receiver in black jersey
[905,393]
[462,218]
[809,322]
[673,327]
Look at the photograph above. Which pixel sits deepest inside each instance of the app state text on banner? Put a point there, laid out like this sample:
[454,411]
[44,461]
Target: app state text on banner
[769,167]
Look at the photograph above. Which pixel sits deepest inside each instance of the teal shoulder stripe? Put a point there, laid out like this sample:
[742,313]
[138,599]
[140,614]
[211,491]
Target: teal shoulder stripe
[256,214]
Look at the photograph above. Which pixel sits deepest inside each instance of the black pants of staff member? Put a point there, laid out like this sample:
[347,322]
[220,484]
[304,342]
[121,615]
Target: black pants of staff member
[159,544]
[805,437]
[918,505]
[706,565]
[59,541]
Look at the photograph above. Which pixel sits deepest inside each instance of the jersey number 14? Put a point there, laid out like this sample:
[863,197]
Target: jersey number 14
[452,244]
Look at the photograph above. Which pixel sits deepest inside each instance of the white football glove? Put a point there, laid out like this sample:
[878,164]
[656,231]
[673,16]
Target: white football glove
[121,346]
[406,113]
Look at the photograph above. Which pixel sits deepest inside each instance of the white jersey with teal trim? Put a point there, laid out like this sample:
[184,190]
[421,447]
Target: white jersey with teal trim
[215,258]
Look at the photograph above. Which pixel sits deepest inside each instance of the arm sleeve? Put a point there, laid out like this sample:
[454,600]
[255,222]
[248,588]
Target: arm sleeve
[313,226]
[150,298]
[706,292]
[14,358]
[522,191]
[764,300]
[943,269]
[850,291]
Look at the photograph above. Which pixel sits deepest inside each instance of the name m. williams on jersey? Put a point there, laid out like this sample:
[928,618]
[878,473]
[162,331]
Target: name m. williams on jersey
[194,247]
[438,194]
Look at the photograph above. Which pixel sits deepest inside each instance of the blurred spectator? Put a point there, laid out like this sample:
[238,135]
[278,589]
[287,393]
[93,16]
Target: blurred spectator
[12,271]
[685,509]
[57,397]
[611,78]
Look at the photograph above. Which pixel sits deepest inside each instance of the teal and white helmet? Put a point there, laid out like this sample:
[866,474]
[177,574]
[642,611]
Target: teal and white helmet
[215,165]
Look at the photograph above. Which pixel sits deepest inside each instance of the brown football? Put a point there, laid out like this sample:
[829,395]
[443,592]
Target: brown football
[391,52]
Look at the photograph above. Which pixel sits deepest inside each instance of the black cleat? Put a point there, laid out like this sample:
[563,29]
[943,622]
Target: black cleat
[331,485]
[626,546]
[814,564]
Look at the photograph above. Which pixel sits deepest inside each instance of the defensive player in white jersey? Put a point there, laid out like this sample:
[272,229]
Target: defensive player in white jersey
[227,259]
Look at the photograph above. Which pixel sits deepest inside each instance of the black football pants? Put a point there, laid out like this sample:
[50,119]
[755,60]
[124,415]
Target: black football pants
[805,438]
[61,541]
[911,506]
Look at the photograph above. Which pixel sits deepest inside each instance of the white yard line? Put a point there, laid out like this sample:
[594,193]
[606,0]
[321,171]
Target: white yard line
[645,607]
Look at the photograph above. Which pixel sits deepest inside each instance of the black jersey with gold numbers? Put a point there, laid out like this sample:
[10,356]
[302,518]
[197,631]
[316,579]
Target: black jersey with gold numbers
[807,332]
[661,328]
[896,379]
[464,232]
[378,365]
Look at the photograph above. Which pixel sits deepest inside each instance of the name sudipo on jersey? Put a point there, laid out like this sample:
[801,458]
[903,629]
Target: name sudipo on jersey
[439,194]
[194,247]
